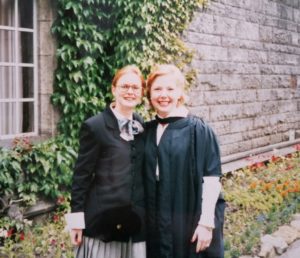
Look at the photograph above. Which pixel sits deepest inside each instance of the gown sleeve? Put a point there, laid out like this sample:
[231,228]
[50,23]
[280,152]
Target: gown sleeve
[212,159]
[211,186]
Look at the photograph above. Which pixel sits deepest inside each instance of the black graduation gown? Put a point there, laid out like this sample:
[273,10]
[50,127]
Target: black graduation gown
[174,202]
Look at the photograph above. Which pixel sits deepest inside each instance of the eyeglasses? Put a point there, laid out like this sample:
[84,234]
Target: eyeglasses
[126,87]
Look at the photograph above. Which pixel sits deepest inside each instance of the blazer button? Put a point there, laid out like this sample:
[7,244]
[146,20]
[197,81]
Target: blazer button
[119,226]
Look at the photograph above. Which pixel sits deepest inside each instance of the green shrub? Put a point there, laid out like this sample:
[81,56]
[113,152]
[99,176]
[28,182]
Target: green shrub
[29,171]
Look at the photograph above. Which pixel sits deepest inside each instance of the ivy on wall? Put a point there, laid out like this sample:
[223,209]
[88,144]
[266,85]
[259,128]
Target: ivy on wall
[94,39]
[97,37]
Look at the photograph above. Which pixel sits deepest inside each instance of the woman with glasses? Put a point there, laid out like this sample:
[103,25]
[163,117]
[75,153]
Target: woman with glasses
[182,168]
[107,199]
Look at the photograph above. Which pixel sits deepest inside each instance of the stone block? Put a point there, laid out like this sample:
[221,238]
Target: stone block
[281,36]
[241,125]
[227,150]
[287,233]
[201,111]
[241,43]
[258,57]
[46,10]
[295,224]
[291,26]
[205,66]
[238,68]
[47,116]
[265,33]
[269,107]
[209,82]
[261,141]
[277,242]
[286,106]
[224,26]
[296,216]
[285,12]
[195,98]
[252,109]
[221,128]
[247,30]
[213,53]
[46,74]
[245,95]
[244,145]
[270,8]
[296,15]
[45,39]
[284,81]
[269,81]
[252,134]
[276,138]
[267,94]
[203,23]
[237,55]
[201,38]
[267,251]
[219,97]
[295,39]
[225,112]
[230,138]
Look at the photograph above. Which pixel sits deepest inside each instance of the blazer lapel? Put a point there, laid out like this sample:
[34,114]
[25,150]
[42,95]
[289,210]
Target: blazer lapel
[111,122]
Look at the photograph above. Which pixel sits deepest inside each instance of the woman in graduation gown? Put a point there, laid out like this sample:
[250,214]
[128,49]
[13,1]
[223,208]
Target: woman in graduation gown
[182,171]
[107,198]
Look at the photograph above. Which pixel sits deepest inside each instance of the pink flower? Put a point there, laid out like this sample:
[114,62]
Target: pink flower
[56,218]
[60,200]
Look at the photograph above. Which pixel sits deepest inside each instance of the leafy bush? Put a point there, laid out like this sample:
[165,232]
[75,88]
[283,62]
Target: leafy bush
[28,171]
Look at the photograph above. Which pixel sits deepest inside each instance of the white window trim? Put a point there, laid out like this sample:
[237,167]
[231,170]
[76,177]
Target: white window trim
[17,65]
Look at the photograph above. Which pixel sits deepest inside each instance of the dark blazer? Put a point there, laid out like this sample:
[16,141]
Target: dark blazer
[108,170]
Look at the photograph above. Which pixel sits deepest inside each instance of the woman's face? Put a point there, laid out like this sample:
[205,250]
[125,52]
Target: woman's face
[128,91]
[165,94]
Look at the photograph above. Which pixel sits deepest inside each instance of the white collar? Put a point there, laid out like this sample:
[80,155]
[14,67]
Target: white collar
[180,111]
[117,114]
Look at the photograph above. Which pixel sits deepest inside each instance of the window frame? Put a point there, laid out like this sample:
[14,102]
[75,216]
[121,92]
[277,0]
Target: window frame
[17,65]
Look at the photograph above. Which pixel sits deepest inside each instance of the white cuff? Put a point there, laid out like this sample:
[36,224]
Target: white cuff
[75,220]
[210,194]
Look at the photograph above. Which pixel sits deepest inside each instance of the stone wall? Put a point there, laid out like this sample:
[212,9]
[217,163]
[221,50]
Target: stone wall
[247,58]
[48,116]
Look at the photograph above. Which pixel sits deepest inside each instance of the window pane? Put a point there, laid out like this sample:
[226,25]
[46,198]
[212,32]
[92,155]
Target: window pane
[7,46]
[26,13]
[28,117]
[26,52]
[26,77]
[8,123]
[7,12]
[7,82]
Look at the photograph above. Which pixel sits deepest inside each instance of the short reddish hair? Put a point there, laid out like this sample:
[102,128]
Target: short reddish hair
[128,69]
[167,69]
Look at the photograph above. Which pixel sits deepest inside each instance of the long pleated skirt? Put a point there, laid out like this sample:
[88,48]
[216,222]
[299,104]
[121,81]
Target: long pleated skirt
[95,248]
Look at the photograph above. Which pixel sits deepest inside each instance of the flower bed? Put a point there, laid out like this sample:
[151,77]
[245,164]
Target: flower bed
[260,197]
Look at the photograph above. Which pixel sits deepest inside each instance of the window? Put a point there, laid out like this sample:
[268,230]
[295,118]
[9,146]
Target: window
[18,83]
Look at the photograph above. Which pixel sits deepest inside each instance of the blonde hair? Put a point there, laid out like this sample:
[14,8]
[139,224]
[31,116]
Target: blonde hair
[128,69]
[167,69]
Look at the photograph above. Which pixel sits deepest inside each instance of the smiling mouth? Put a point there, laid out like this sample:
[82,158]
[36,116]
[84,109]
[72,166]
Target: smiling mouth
[163,103]
[129,99]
